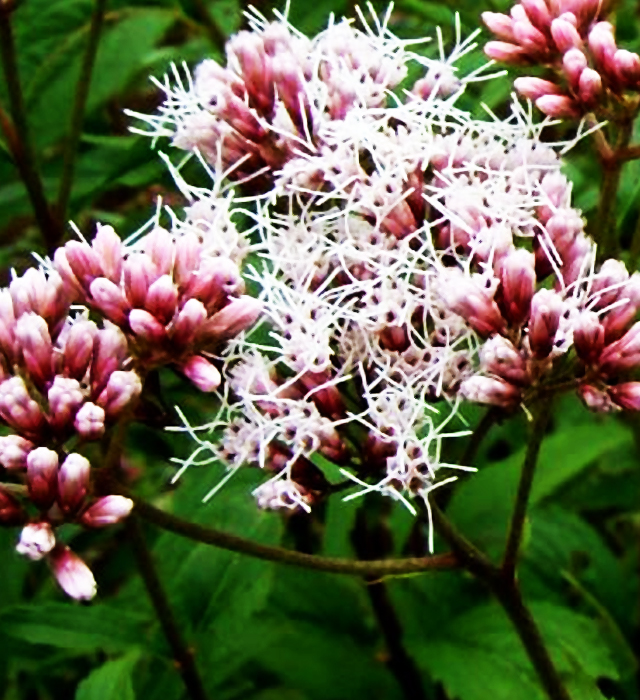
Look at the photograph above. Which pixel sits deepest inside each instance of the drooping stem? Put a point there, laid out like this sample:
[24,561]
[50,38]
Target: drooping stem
[78,109]
[224,540]
[518,517]
[182,654]
[17,133]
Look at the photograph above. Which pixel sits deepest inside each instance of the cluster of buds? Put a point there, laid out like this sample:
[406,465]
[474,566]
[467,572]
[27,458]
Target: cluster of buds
[174,302]
[575,42]
[64,381]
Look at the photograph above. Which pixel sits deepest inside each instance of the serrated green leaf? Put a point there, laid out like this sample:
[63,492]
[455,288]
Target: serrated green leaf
[111,681]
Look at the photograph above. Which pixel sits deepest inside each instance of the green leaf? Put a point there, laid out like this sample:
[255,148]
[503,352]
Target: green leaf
[74,627]
[111,681]
[478,655]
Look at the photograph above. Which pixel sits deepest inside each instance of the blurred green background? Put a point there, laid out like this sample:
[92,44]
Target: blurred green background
[260,631]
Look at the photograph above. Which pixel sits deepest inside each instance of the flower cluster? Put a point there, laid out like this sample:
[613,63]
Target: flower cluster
[575,42]
[412,257]
[65,380]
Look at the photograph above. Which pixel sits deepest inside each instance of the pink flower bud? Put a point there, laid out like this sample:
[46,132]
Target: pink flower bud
[626,395]
[499,24]
[42,477]
[18,409]
[546,309]
[603,46]
[596,399]
[518,279]
[78,349]
[237,316]
[538,13]
[139,274]
[201,372]
[533,88]
[530,38]
[506,53]
[73,479]
[499,356]
[573,63]
[89,421]
[109,299]
[122,388]
[565,35]
[108,510]
[469,299]
[72,574]
[488,390]
[162,299]
[558,106]
[188,323]
[608,284]
[36,541]
[623,354]
[590,86]
[187,258]
[627,66]
[32,334]
[13,451]
[65,398]
[63,268]
[619,318]
[82,261]
[159,246]
[287,78]
[38,293]
[11,512]
[588,337]
[108,247]
[217,279]
[7,325]
[110,351]
[147,327]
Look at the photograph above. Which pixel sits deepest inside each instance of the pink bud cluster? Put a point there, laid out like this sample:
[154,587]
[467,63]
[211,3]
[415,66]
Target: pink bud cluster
[572,39]
[172,301]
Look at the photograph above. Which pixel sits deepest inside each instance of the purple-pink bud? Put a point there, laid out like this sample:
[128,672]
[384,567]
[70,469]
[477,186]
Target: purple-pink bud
[13,451]
[78,348]
[187,258]
[489,390]
[623,354]
[36,540]
[32,334]
[588,337]
[122,388]
[619,318]
[608,284]
[538,13]
[108,248]
[162,299]
[501,25]
[42,476]
[159,246]
[216,279]
[237,316]
[147,327]
[469,299]
[533,88]
[546,309]
[72,574]
[627,65]
[626,395]
[565,35]
[140,273]
[558,106]
[590,86]
[109,352]
[108,510]
[188,323]
[65,397]
[11,512]
[518,279]
[201,372]
[73,480]
[499,356]
[506,53]
[18,409]
[596,399]
[109,299]
[573,63]
[603,45]
[89,421]
[82,261]
[530,38]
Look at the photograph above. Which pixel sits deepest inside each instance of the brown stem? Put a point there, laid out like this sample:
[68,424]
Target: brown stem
[78,110]
[225,540]
[182,654]
[17,134]
[518,517]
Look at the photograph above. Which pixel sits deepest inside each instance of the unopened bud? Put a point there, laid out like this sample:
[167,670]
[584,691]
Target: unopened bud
[488,390]
[122,388]
[626,395]
[506,53]
[202,373]
[518,279]
[533,88]
[13,451]
[107,511]
[42,476]
[558,106]
[73,479]
[72,574]
[546,309]
[501,25]
[89,421]
[36,540]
